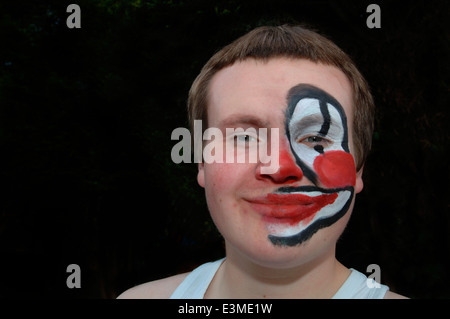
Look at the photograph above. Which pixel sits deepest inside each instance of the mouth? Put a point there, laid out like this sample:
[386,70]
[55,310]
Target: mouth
[291,206]
[294,214]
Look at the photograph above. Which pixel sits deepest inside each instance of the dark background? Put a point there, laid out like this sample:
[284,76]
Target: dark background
[86,117]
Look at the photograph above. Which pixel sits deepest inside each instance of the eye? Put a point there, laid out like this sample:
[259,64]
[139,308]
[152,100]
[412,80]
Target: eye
[315,140]
[245,138]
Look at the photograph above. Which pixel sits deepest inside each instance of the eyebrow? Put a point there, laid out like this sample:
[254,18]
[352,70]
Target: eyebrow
[309,120]
[237,120]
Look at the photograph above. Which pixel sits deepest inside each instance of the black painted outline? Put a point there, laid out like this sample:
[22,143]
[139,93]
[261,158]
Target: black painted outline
[296,94]
[326,118]
[310,230]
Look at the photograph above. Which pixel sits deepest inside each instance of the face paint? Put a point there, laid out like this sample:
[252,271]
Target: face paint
[316,128]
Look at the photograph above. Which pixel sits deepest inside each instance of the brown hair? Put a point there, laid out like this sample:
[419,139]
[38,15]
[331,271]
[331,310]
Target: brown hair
[295,42]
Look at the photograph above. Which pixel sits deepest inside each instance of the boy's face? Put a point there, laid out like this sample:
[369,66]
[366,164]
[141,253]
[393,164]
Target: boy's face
[297,213]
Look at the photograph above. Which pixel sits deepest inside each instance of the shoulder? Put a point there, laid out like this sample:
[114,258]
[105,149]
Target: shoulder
[392,295]
[158,289]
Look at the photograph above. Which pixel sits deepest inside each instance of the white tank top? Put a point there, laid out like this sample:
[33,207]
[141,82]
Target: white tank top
[357,286]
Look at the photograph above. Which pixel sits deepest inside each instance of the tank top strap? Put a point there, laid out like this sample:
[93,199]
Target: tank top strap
[197,282]
[358,286]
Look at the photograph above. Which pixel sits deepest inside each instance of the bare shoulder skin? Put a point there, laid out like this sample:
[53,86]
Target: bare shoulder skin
[158,289]
[393,295]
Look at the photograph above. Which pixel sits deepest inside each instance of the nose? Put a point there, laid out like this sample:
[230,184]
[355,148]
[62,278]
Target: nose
[288,171]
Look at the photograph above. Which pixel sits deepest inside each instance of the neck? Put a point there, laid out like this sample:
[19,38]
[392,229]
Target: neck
[240,277]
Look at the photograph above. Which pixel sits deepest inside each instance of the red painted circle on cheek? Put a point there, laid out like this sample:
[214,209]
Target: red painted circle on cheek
[335,169]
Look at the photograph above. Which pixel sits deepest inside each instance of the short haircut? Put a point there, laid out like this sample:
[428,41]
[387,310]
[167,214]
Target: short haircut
[294,42]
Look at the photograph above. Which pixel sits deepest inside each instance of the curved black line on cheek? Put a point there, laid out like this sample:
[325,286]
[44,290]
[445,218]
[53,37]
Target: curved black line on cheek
[307,233]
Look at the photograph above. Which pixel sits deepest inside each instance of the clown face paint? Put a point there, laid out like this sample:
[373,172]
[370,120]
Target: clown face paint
[316,128]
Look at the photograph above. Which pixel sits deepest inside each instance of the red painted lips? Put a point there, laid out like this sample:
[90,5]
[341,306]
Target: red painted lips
[290,208]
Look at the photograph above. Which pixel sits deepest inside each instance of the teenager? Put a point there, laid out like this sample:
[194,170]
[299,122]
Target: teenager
[280,226]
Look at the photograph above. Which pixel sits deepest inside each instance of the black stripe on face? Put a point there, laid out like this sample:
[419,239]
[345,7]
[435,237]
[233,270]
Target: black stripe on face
[326,118]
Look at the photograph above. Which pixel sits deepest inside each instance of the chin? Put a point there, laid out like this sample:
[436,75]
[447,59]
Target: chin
[265,254]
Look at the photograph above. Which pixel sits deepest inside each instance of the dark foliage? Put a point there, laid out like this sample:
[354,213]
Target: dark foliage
[86,117]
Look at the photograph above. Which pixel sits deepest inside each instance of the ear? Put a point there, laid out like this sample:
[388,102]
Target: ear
[359,181]
[201,174]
